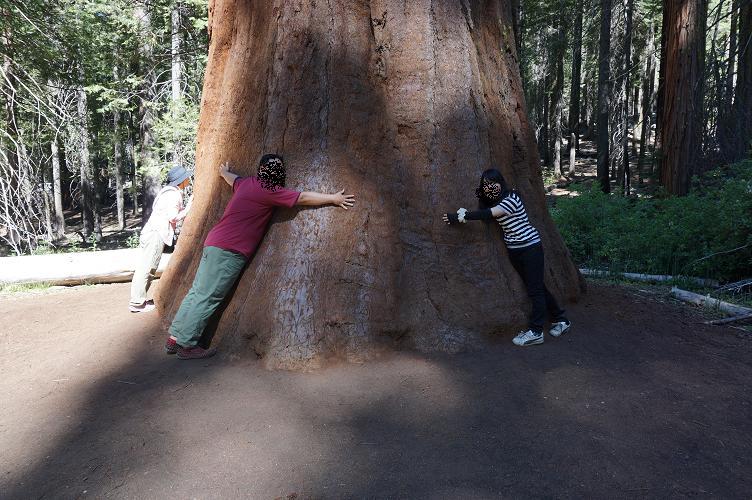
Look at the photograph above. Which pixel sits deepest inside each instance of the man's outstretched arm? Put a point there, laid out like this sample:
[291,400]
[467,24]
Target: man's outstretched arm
[314,199]
[229,177]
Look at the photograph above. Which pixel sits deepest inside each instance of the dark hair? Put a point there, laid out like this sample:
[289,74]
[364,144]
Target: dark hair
[271,171]
[491,175]
[265,159]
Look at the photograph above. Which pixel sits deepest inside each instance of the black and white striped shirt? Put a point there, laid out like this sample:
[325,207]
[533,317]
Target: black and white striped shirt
[518,232]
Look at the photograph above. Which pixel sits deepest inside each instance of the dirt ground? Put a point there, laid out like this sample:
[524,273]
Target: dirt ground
[640,400]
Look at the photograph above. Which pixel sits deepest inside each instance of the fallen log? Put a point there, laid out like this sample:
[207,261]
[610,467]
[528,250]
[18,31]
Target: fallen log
[107,266]
[653,278]
[708,301]
[732,319]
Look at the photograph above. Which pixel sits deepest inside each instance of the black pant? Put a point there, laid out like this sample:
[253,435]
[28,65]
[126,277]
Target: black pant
[528,262]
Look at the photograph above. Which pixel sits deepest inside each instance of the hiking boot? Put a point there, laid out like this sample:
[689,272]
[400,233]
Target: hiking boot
[195,352]
[559,328]
[527,338]
[145,307]
[171,346]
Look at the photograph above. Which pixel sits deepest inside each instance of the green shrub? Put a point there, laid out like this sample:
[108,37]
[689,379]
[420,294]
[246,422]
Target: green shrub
[698,234]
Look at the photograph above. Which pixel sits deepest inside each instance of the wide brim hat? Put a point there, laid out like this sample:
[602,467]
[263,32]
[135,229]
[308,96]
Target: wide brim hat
[177,175]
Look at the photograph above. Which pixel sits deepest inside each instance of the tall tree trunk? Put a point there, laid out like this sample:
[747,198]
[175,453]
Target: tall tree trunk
[9,97]
[648,91]
[625,177]
[176,65]
[148,163]
[742,107]
[177,70]
[546,123]
[117,170]
[681,112]
[47,209]
[57,192]
[405,103]
[731,68]
[604,53]
[117,161]
[712,130]
[726,126]
[517,24]
[574,100]
[132,159]
[558,136]
[557,97]
[84,163]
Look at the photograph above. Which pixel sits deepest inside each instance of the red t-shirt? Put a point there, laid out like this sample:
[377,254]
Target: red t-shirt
[246,216]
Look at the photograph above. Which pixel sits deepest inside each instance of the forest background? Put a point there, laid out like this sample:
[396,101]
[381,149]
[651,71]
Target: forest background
[647,131]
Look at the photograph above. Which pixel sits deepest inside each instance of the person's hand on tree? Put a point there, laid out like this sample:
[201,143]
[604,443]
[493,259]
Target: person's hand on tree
[224,169]
[344,200]
[450,218]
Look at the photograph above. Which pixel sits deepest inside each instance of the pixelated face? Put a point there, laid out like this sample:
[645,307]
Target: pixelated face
[491,190]
[272,173]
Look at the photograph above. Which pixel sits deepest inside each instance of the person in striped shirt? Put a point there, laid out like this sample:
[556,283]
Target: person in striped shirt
[525,252]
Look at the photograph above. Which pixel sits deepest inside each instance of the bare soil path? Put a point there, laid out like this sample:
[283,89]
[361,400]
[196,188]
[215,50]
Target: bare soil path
[640,400]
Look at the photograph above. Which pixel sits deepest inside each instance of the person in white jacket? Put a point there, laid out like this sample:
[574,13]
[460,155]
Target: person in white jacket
[158,231]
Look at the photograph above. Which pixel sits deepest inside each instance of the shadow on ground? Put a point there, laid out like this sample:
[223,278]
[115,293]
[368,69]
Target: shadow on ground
[640,400]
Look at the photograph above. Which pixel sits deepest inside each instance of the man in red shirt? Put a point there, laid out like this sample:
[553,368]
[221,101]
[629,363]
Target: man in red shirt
[232,242]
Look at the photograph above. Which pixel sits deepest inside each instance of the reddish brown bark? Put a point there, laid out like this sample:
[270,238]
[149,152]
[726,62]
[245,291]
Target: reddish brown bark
[403,104]
[680,112]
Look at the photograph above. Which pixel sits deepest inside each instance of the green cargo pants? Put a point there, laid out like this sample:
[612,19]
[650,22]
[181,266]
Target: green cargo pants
[216,274]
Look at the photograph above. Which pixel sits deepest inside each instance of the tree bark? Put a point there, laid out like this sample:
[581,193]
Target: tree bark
[574,102]
[517,24]
[681,113]
[546,123]
[602,135]
[176,70]
[712,129]
[132,158]
[84,163]
[733,31]
[625,173]
[176,63]
[57,192]
[557,97]
[726,127]
[117,170]
[648,91]
[404,104]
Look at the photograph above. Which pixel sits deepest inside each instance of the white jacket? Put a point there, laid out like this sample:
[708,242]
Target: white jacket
[166,212]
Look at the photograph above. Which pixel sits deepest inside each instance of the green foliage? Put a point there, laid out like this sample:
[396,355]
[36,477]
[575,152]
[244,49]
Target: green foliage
[11,288]
[133,240]
[707,233]
[175,130]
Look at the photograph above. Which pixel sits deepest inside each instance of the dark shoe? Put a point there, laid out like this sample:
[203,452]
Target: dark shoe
[195,352]
[171,346]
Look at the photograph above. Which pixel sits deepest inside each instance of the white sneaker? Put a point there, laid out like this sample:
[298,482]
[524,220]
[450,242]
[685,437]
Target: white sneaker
[528,338]
[560,328]
[145,307]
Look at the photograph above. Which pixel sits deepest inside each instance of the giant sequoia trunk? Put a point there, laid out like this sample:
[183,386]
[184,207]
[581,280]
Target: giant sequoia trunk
[402,103]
